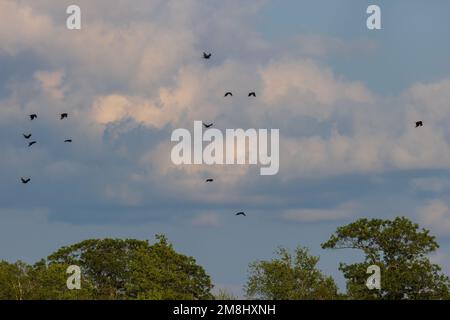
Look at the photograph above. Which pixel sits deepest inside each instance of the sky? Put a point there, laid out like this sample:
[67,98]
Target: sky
[344,98]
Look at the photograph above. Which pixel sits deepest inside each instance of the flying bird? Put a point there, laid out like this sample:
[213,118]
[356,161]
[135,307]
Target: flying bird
[68,140]
[31,143]
[208,125]
[27,136]
[241,214]
[64,115]
[33,116]
[206,55]
[25,181]
[252,94]
[419,124]
[228,94]
[209,180]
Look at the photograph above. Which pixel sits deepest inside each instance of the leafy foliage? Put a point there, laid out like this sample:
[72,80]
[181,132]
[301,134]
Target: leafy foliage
[158,272]
[401,250]
[135,269]
[111,269]
[289,277]
[223,294]
[14,282]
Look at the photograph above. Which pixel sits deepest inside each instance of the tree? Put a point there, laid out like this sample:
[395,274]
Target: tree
[50,283]
[20,281]
[289,277]
[224,294]
[158,272]
[401,251]
[104,262]
[111,269]
[133,269]
[14,281]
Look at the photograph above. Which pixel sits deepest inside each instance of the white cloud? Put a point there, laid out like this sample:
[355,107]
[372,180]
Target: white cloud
[320,46]
[118,74]
[51,83]
[29,29]
[305,83]
[166,83]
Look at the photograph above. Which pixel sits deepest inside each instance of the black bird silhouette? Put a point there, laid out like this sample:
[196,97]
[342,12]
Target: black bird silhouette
[208,125]
[419,124]
[252,94]
[31,143]
[241,214]
[25,181]
[63,115]
[206,55]
[228,94]
[33,116]
[209,180]
[68,140]
[27,136]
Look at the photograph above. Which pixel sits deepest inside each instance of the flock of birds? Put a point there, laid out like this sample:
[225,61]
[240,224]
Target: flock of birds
[253,94]
[33,142]
[206,56]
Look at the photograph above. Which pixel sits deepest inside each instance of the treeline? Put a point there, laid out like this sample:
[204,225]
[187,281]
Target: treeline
[111,269]
[135,269]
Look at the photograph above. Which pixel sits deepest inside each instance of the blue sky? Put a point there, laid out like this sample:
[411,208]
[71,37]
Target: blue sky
[344,98]
[413,39]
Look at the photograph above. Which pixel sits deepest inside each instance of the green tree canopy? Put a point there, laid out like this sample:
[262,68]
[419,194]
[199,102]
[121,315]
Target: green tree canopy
[401,250]
[14,283]
[105,264]
[20,281]
[111,269]
[289,277]
[158,272]
[134,269]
